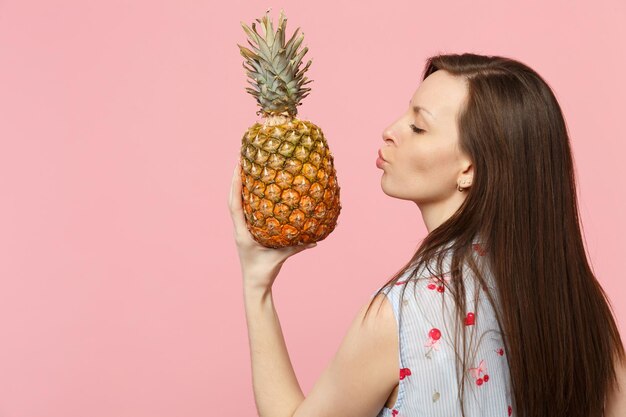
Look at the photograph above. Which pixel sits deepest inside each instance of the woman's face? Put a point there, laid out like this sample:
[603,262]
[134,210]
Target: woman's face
[426,166]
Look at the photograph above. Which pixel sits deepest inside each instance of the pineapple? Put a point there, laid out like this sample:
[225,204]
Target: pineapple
[290,193]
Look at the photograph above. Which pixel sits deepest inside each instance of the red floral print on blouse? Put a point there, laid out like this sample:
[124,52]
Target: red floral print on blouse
[436,282]
[480,369]
[479,249]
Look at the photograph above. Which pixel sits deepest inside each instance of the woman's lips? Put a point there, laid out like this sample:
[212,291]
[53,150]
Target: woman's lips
[380,161]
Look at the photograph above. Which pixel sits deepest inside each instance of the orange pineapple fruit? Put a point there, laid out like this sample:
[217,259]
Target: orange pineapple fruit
[290,193]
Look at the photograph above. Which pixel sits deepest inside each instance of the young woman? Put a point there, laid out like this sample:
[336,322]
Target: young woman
[498,312]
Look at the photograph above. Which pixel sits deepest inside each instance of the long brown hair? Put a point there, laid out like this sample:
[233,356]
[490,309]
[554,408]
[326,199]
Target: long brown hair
[557,323]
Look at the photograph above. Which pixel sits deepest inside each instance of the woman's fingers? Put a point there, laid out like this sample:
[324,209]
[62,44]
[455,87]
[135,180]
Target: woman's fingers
[242,234]
[233,185]
[234,199]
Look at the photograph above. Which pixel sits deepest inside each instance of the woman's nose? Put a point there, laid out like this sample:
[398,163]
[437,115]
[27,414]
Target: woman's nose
[388,136]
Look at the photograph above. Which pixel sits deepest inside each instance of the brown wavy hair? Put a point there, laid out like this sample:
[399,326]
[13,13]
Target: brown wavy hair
[557,323]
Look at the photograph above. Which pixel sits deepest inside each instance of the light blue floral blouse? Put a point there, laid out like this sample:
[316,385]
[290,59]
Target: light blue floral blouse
[428,382]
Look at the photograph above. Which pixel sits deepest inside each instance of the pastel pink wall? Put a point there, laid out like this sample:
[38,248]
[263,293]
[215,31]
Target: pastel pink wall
[120,124]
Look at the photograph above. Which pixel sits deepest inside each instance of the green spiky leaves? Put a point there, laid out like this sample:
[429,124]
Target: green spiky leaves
[273,67]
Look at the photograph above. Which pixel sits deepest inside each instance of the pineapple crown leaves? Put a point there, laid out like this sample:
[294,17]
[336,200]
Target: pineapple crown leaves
[273,67]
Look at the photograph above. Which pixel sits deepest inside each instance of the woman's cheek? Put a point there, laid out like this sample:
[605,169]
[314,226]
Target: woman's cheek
[421,162]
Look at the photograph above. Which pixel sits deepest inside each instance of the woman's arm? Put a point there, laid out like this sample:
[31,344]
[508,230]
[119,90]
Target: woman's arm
[357,381]
[364,370]
[361,375]
[276,389]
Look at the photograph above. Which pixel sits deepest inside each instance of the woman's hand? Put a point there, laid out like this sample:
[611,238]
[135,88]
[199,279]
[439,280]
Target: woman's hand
[259,265]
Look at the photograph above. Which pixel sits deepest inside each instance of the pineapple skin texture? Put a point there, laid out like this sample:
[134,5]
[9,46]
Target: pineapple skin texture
[290,193]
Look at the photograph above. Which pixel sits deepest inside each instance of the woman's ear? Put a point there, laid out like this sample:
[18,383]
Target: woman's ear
[467,168]
[466,175]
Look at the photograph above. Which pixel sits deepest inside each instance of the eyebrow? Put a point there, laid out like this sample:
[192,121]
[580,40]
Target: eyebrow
[416,109]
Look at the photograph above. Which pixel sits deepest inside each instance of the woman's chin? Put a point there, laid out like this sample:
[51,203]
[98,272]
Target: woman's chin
[388,191]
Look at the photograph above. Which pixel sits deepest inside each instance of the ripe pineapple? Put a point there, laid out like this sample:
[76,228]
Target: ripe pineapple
[290,190]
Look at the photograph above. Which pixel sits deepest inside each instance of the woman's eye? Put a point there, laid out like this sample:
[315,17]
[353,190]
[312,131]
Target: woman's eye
[416,129]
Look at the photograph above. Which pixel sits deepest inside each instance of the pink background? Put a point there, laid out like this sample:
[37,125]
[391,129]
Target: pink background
[121,121]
